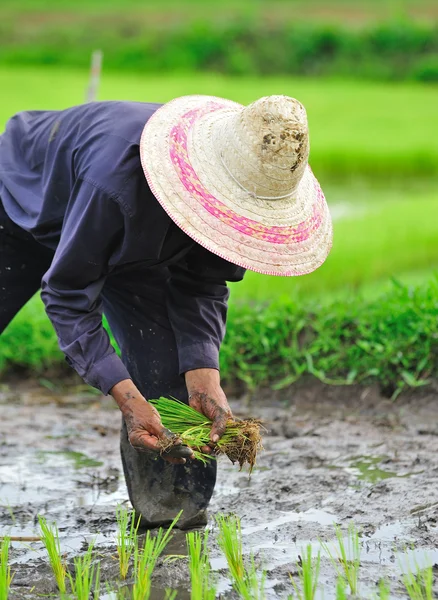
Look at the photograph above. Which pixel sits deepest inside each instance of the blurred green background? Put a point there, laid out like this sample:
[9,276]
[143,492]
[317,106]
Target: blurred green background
[367,72]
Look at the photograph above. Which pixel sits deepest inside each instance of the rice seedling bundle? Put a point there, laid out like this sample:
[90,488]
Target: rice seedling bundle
[241,441]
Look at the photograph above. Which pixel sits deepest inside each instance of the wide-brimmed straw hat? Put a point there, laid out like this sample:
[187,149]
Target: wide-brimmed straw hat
[237,181]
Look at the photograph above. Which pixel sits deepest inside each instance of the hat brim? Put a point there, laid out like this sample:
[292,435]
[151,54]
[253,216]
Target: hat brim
[287,237]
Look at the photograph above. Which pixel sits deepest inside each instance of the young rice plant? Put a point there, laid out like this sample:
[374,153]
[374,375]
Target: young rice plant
[346,557]
[203,584]
[86,577]
[5,569]
[308,574]
[145,560]
[126,538]
[246,582]
[50,538]
[418,582]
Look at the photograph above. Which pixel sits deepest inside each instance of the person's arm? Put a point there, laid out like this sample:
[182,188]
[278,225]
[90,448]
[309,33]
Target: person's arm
[92,236]
[197,304]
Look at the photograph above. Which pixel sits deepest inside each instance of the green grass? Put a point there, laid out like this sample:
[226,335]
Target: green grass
[390,339]
[357,129]
[378,240]
[274,9]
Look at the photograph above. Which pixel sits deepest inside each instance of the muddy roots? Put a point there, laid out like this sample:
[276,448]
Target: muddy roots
[242,442]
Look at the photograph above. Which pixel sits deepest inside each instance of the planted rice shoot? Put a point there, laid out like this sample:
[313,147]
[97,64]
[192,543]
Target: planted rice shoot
[86,576]
[308,574]
[126,538]
[346,557]
[170,595]
[145,560]
[50,538]
[246,581]
[341,589]
[203,584]
[384,590]
[241,441]
[5,569]
[418,582]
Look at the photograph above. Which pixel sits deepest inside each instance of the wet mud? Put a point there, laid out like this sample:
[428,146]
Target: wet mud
[331,456]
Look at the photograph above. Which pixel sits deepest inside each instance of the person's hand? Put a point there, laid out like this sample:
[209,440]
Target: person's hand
[145,430]
[207,397]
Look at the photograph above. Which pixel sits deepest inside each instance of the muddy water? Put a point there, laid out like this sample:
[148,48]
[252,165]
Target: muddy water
[331,456]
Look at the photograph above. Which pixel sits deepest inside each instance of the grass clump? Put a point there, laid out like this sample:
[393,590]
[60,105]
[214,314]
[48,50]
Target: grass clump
[241,441]
[308,574]
[86,577]
[5,569]
[50,538]
[126,538]
[203,585]
[246,580]
[346,556]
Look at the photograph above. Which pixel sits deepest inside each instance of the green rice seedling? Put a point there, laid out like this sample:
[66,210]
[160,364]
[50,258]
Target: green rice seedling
[50,538]
[241,441]
[115,593]
[86,576]
[308,574]
[346,557]
[126,538]
[341,589]
[246,581]
[384,590]
[170,595]
[145,560]
[203,584]
[5,569]
[418,582]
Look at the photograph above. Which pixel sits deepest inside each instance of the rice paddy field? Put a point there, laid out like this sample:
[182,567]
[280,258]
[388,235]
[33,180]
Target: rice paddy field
[342,501]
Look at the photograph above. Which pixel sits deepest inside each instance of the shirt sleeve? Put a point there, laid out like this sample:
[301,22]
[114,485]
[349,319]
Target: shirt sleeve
[197,296]
[71,289]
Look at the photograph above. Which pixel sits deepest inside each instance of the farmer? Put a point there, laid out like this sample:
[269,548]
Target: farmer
[143,212]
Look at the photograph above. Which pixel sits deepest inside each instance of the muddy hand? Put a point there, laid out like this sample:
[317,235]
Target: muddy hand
[145,430]
[207,397]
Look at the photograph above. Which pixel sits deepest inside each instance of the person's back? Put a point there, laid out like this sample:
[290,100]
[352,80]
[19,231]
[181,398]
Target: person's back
[46,155]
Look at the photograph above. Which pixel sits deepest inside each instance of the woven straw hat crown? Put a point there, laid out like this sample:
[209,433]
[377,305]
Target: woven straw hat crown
[265,146]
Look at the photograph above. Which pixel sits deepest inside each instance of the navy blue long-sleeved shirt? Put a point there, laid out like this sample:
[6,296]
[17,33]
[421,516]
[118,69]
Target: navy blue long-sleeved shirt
[73,179]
